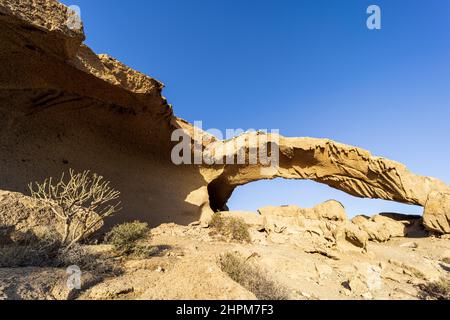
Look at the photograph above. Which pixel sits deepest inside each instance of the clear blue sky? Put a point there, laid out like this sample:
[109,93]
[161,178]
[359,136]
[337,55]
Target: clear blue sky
[308,68]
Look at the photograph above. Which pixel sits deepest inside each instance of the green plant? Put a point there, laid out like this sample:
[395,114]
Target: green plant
[125,238]
[438,290]
[74,200]
[217,222]
[234,228]
[251,277]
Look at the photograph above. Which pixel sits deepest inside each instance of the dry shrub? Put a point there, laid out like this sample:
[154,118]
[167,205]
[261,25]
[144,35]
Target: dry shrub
[31,252]
[446,260]
[126,237]
[251,277]
[46,250]
[234,228]
[74,199]
[81,256]
[438,290]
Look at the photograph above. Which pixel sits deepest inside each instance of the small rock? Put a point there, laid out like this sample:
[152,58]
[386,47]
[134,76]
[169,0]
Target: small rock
[324,252]
[367,296]
[357,286]
[306,295]
[413,245]
[323,270]
[105,291]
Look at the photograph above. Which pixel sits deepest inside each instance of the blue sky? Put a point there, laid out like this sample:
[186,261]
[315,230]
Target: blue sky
[307,68]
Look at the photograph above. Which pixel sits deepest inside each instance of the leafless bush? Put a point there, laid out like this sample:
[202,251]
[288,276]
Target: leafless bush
[251,277]
[73,200]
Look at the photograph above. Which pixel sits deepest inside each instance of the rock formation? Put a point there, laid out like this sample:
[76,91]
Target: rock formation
[437,212]
[350,169]
[328,223]
[62,106]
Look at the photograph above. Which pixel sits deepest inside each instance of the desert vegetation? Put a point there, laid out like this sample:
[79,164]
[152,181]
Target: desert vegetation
[437,290]
[81,202]
[126,239]
[48,252]
[78,203]
[251,276]
[28,250]
[232,228]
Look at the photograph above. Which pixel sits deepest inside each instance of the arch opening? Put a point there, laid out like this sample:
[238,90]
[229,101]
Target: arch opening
[303,193]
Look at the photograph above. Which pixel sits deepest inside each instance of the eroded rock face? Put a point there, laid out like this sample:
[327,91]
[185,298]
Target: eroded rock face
[347,168]
[380,228]
[436,216]
[350,233]
[327,223]
[330,210]
[62,106]
[45,21]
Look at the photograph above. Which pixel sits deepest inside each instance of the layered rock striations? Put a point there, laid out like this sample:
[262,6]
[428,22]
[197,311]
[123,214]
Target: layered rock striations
[62,106]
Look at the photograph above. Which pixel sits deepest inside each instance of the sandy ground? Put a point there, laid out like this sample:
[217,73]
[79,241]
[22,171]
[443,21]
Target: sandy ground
[185,267]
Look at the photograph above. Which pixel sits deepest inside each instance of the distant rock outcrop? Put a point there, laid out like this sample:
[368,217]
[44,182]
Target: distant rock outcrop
[436,216]
[328,224]
[62,106]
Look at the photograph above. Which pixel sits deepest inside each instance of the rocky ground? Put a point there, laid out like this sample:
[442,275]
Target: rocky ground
[185,266]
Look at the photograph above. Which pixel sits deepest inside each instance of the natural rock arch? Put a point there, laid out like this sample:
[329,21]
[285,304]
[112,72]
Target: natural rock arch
[62,105]
[343,167]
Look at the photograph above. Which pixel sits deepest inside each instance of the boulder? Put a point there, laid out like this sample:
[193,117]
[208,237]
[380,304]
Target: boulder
[280,219]
[414,227]
[349,233]
[394,228]
[328,221]
[292,219]
[436,216]
[330,210]
[380,228]
[281,211]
